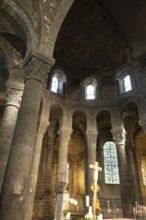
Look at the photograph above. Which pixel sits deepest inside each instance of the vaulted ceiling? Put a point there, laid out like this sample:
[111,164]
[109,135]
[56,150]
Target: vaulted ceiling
[97,34]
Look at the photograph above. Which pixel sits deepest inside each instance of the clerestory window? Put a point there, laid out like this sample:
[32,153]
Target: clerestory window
[90,85]
[90,92]
[111,170]
[54,86]
[127,83]
[58,81]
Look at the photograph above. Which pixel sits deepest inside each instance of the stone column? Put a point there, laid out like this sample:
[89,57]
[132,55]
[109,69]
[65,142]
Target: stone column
[34,170]
[119,137]
[15,187]
[140,77]
[74,166]
[13,100]
[62,193]
[50,154]
[130,149]
[91,138]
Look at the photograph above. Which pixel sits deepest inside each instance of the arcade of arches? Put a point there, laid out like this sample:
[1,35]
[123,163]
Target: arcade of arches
[72,78]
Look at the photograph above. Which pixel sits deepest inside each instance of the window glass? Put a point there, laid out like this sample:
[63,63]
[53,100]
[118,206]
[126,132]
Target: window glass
[111,170]
[54,86]
[90,92]
[127,83]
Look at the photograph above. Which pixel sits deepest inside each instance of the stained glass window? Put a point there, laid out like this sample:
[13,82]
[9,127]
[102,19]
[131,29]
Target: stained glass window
[127,83]
[111,170]
[90,92]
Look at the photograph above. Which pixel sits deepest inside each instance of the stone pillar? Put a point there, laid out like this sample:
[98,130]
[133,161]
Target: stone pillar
[13,100]
[34,170]
[62,193]
[135,189]
[15,187]
[74,166]
[140,77]
[91,138]
[119,137]
[50,153]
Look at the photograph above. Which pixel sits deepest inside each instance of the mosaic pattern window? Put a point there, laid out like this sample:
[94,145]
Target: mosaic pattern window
[111,170]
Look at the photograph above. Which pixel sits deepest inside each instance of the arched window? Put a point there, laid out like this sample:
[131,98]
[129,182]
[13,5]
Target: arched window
[90,92]
[54,86]
[90,85]
[127,83]
[58,82]
[111,170]
[124,79]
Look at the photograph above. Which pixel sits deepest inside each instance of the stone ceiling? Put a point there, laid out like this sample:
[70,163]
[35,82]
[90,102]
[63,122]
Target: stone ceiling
[98,33]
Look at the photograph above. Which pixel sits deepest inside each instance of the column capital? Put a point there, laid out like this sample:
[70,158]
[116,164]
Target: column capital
[65,134]
[37,69]
[43,126]
[13,97]
[119,136]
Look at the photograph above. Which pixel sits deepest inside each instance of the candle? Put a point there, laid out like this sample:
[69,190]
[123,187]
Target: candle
[90,209]
[108,209]
[87,201]
[136,208]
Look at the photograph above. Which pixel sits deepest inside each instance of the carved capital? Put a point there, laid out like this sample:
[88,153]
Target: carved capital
[37,69]
[42,127]
[91,139]
[119,136]
[65,135]
[13,97]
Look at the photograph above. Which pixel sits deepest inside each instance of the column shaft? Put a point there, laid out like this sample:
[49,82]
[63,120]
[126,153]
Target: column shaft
[62,193]
[34,171]
[7,127]
[91,142]
[125,187]
[133,174]
[15,189]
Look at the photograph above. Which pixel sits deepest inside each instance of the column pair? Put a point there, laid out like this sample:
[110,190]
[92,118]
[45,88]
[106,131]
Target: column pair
[16,182]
